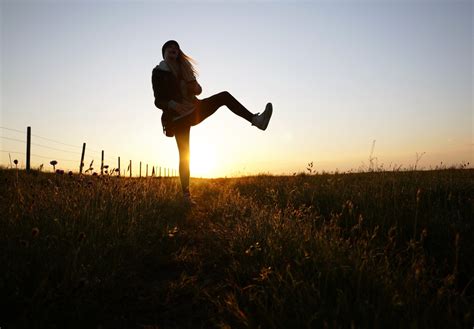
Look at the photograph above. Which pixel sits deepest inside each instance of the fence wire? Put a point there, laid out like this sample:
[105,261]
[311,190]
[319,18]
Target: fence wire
[91,155]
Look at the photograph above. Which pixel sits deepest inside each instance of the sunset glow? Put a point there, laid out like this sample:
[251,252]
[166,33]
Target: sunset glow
[203,161]
[340,75]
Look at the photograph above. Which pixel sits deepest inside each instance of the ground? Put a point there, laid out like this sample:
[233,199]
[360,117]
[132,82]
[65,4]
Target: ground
[362,250]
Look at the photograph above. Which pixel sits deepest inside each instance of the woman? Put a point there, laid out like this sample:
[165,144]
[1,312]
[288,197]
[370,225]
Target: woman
[175,88]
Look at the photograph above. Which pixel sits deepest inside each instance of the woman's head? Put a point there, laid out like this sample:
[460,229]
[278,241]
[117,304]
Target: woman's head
[170,50]
[172,53]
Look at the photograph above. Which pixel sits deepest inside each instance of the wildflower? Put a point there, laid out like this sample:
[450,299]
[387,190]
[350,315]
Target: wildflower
[265,273]
[173,232]
[350,206]
[253,248]
[53,163]
[249,250]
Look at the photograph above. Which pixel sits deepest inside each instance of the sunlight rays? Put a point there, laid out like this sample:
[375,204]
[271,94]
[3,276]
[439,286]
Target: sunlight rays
[203,160]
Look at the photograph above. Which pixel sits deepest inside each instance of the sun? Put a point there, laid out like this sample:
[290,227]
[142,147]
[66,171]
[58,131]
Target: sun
[203,160]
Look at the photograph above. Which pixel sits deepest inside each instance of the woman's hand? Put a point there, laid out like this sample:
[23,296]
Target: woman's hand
[180,108]
[194,87]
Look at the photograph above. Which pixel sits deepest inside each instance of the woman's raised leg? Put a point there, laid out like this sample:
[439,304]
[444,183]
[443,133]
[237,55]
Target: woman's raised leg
[210,105]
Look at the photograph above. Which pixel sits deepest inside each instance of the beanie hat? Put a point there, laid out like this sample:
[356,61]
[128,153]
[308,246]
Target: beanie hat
[168,43]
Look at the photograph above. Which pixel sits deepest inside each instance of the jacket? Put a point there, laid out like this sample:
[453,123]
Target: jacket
[168,92]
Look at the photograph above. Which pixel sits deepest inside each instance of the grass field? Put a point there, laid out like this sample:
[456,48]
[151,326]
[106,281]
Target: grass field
[360,250]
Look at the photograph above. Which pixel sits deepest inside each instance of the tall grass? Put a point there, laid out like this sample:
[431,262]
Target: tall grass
[366,250]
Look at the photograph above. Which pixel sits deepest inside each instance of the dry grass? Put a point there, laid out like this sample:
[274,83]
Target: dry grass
[367,250]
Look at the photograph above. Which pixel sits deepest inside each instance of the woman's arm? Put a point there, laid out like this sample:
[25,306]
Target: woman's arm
[163,93]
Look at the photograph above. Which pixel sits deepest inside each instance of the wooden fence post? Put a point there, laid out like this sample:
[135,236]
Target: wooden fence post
[146,170]
[28,148]
[102,164]
[130,168]
[160,172]
[119,166]
[82,157]
[140,171]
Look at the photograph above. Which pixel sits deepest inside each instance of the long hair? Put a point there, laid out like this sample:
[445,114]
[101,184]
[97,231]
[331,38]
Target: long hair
[187,65]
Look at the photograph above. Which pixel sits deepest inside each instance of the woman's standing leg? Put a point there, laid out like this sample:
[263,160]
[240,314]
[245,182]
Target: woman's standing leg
[182,139]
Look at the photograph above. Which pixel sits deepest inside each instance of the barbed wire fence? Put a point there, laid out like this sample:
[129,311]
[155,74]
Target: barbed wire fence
[72,156]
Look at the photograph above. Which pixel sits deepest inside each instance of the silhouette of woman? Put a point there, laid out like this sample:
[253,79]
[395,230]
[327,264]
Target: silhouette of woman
[175,88]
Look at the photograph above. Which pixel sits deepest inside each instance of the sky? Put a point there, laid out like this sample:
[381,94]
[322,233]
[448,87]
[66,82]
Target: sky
[340,75]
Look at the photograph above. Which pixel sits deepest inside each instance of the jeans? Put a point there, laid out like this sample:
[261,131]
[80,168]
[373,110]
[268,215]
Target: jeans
[204,108]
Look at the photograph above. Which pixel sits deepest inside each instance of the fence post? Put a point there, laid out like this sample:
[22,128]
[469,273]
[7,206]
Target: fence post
[102,164]
[160,172]
[82,157]
[130,168]
[153,171]
[146,170]
[28,148]
[140,171]
[119,166]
